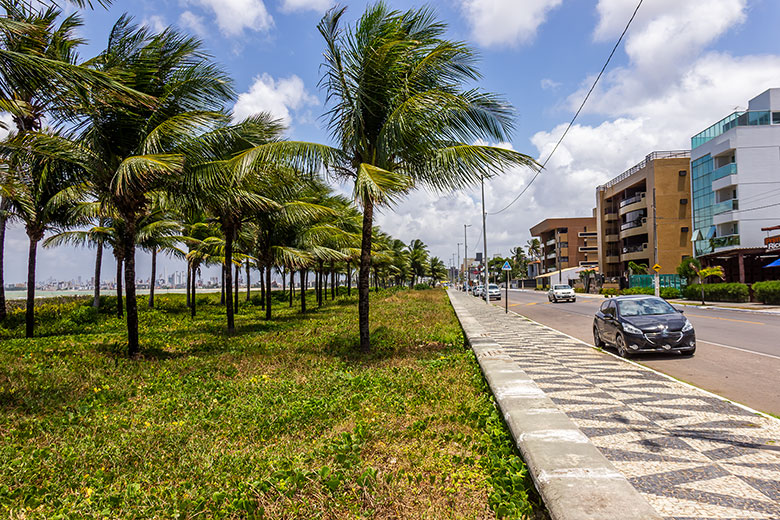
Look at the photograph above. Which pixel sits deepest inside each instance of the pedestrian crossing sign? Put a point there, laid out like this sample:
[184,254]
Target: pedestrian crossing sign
[506,266]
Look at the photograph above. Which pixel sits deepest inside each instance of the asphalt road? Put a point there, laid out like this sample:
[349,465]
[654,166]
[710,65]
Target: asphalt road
[737,353]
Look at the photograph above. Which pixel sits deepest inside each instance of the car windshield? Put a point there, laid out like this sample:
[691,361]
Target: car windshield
[493,286]
[561,287]
[644,307]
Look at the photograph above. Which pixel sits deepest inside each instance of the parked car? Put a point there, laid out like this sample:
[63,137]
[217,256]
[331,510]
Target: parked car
[477,291]
[640,324]
[494,293]
[559,293]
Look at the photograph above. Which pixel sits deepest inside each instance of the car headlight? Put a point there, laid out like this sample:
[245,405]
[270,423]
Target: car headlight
[627,327]
[688,326]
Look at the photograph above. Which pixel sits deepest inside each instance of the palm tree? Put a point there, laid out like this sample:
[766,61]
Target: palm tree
[706,272]
[35,190]
[534,248]
[418,257]
[129,153]
[437,270]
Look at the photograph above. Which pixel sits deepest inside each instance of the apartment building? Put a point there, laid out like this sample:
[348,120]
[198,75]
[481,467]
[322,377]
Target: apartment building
[567,242]
[650,201]
[735,170]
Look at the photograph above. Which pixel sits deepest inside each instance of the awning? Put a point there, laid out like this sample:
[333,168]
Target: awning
[776,263]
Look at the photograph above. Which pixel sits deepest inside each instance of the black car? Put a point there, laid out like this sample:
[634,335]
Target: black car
[640,324]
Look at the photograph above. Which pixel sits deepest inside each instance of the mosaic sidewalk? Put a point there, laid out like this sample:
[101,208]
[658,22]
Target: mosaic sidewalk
[691,455]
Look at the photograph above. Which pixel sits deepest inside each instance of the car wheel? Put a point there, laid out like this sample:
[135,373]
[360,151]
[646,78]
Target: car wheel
[620,344]
[597,337]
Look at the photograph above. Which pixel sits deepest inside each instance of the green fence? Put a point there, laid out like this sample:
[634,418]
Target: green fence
[666,280]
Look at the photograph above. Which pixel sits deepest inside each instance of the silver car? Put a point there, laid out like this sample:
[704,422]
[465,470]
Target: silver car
[559,293]
[494,292]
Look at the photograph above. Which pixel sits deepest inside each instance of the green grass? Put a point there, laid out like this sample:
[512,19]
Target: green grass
[281,420]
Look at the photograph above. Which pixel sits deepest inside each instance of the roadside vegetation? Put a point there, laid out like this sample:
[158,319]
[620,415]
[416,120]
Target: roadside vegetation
[283,419]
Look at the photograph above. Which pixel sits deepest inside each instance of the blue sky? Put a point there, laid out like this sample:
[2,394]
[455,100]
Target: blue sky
[683,65]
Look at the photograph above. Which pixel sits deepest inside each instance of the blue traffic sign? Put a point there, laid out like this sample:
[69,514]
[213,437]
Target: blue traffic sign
[506,266]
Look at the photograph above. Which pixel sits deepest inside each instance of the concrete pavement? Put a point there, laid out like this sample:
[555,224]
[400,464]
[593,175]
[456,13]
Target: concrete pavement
[688,454]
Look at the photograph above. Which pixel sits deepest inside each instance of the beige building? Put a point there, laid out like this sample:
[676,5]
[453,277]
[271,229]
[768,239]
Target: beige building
[625,207]
[567,242]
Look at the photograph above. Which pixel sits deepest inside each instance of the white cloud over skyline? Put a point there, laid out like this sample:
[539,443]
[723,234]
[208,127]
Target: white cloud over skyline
[234,16]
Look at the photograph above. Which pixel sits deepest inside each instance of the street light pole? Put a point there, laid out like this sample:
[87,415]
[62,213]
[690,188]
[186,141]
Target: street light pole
[458,264]
[484,244]
[466,256]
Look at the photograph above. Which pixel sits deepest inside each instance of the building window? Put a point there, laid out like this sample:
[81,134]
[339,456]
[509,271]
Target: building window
[776,118]
[683,173]
[684,229]
[683,201]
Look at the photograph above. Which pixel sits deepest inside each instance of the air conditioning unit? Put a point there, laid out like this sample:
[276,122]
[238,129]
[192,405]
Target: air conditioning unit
[644,246]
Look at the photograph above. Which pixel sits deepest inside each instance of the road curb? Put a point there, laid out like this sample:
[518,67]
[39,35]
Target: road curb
[574,479]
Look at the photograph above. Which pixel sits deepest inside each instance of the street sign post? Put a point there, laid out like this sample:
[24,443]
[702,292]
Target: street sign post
[657,280]
[506,268]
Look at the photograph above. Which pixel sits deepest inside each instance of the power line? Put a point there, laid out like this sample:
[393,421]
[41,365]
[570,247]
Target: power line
[544,164]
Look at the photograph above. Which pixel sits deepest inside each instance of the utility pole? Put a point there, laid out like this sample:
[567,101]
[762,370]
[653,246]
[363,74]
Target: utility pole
[484,243]
[466,256]
[656,280]
[558,255]
[458,264]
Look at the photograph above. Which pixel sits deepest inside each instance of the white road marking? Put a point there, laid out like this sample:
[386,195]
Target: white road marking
[737,348]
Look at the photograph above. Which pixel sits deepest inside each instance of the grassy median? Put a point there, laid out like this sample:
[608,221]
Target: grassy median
[281,420]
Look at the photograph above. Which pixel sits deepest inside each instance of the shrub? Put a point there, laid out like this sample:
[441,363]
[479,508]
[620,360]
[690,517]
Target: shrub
[718,292]
[422,287]
[609,291]
[767,292]
[84,315]
[579,290]
[638,290]
[670,293]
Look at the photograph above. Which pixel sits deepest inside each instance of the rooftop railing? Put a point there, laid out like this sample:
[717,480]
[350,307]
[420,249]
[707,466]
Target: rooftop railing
[750,118]
[672,154]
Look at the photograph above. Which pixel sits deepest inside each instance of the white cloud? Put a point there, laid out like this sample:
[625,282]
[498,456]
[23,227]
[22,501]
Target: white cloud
[233,16]
[278,97]
[193,22]
[306,5]
[155,22]
[7,125]
[548,84]
[506,22]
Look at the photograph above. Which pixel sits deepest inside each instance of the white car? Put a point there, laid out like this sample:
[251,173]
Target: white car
[477,291]
[559,293]
[494,293]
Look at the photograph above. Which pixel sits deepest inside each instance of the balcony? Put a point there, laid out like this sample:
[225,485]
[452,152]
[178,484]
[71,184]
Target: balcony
[550,242]
[612,237]
[588,249]
[635,252]
[724,241]
[725,206]
[588,234]
[753,118]
[635,227]
[613,259]
[636,202]
[724,171]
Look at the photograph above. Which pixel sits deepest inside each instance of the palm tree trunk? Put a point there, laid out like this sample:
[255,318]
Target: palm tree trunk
[192,285]
[247,281]
[189,282]
[349,278]
[130,300]
[304,279]
[364,274]
[333,281]
[3,207]
[292,286]
[153,279]
[222,297]
[30,310]
[98,265]
[228,272]
[119,304]
[262,286]
[235,307]
[268,268]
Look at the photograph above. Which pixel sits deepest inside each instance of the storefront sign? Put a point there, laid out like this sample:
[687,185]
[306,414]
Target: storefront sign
[772,243]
